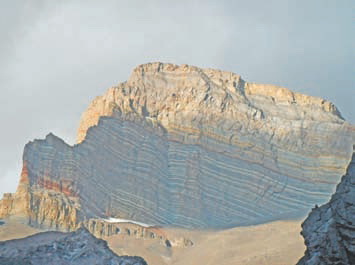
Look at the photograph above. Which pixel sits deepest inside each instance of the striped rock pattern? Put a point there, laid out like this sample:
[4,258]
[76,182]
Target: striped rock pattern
[190,147]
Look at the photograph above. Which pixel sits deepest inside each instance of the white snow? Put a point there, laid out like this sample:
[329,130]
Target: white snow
[119,220]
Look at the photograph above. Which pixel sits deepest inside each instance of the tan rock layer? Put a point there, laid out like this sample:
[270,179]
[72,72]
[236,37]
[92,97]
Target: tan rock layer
[163,91]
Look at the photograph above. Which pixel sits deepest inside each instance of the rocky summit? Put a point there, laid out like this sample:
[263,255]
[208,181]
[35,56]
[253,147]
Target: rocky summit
[329,230]
[56,248]
[187,147]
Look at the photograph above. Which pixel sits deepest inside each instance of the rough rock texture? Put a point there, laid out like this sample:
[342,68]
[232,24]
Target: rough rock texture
[329,230]
[190,147]
[103,229]
[78,247]
[44,205]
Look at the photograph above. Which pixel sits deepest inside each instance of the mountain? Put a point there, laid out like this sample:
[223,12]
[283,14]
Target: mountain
[79,247]
[186,147]
[329,230]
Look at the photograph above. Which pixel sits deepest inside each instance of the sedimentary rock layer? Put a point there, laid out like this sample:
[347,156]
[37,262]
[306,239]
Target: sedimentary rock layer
[329,230]
[78,247]
[190,147]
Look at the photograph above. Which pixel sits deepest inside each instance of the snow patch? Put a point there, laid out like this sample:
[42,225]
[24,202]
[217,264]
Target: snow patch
[119,220]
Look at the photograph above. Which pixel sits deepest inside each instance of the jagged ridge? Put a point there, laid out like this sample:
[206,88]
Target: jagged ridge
[329,230]
[171,93]
[79,247]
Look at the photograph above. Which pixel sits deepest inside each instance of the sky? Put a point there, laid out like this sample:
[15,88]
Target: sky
[56,56]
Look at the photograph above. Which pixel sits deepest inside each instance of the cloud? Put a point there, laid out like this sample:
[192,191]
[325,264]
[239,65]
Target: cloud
[57,57]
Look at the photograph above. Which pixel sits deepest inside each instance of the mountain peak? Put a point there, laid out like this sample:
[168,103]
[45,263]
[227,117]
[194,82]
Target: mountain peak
[165,92]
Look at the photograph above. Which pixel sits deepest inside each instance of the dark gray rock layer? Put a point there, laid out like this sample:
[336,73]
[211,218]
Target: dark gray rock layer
[56,248]
[329,230]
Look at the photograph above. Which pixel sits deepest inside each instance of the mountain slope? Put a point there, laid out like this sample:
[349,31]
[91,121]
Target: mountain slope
[188,147]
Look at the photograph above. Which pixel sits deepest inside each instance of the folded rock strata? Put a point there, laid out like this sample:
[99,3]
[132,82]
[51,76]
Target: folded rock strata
[188,147]
[329,230]
[79,247]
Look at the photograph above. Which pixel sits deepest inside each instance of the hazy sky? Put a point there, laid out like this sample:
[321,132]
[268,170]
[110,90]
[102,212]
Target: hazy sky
[55,58]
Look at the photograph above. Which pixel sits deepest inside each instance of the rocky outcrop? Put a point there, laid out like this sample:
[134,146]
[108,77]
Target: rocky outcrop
[45,205]
[329,230]
[106,228]
[210,102]
[189,147]
[78,247]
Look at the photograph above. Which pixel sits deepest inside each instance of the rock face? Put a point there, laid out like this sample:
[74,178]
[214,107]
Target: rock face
[56,248]
[189,147]
[329,230]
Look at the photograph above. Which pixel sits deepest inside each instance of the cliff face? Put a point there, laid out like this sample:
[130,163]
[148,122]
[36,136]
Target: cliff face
[190,147]
[78,247]
[187,99]
[46,202]
[329,230]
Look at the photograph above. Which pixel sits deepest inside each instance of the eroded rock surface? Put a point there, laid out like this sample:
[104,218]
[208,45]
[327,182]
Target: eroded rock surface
[329,230]
[76,248]
[188,147]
